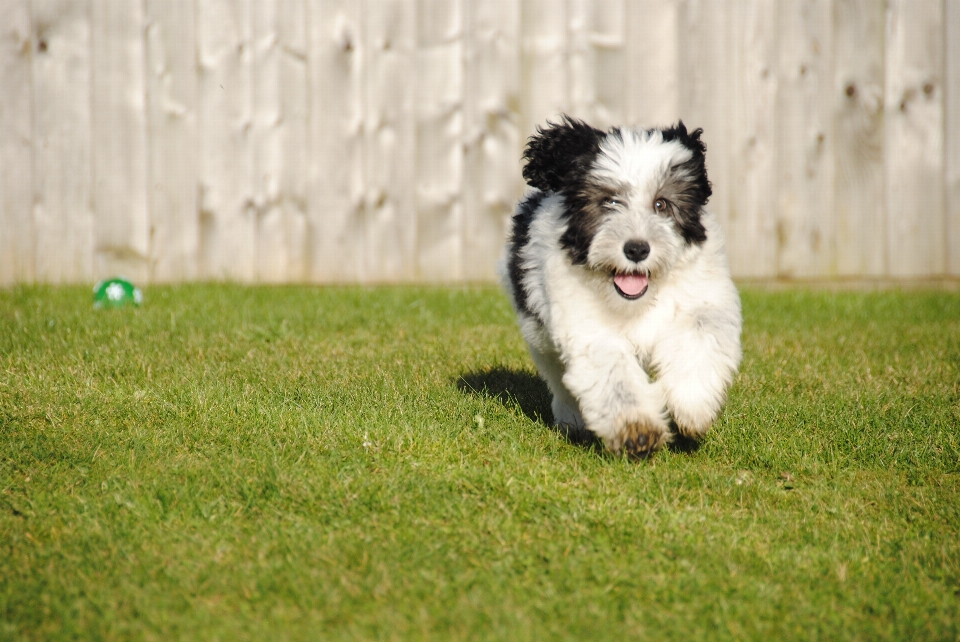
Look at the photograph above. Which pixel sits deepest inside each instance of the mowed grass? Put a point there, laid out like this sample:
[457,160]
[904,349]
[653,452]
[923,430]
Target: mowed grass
[348,463]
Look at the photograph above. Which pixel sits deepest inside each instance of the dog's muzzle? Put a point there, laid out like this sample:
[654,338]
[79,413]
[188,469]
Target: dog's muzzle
[633,285]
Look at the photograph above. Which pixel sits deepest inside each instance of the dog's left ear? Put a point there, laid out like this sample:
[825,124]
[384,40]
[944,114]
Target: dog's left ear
[689,140]
[559,152]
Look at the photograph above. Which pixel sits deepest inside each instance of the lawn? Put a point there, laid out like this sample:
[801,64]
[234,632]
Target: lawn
[349,463]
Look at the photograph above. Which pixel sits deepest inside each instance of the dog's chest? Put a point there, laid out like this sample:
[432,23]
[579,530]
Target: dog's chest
[644,331]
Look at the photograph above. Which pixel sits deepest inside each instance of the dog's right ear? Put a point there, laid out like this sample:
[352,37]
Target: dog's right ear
[560,152]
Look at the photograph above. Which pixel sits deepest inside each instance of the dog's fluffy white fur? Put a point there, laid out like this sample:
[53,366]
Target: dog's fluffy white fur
[618,275]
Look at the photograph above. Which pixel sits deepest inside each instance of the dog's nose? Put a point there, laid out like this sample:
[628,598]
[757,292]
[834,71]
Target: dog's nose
[636,251]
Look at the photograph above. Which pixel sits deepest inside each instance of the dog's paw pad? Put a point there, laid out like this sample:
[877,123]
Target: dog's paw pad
[642,440]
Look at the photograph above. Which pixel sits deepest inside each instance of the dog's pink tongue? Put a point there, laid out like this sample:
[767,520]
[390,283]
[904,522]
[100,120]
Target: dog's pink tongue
[630,284]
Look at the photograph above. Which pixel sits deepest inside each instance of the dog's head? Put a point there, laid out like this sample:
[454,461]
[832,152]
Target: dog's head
[634,197]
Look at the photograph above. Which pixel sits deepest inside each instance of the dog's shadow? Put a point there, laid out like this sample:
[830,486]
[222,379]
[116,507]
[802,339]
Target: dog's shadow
[529,393]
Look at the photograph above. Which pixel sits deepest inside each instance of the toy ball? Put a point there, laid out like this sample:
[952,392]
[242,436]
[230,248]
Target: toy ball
[116,293]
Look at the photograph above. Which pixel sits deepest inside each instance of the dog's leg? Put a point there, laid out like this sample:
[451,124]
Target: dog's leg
[618,401]
[566,410]
[695,366]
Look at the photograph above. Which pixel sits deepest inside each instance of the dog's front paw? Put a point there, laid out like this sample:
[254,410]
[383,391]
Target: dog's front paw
[640,438]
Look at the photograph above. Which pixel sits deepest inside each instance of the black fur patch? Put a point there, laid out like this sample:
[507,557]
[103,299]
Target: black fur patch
[519,237]
[585,211]
[560,154]
[688,188]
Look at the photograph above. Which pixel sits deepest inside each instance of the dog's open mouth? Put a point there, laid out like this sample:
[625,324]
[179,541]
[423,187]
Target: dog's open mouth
[631,286]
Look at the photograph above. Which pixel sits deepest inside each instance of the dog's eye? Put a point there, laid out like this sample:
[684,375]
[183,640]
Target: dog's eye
[660,204]
[610,201]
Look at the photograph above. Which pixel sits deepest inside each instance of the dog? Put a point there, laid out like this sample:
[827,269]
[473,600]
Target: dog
[619,279]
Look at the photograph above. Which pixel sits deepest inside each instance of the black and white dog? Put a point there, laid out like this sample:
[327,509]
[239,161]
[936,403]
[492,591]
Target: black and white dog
[619,278]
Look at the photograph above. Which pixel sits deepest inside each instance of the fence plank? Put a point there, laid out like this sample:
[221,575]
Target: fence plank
[492,144]
[913,107]
[390,155]
[706,78]
[598,62]
[171,81]
[17,244]
[805,158]
[751,236]
[952,134]
[544,70]
[369,140]
[336,220]
[440,140]
[858,125]
[122,227]
[63,208]
[653,62]
[226,179]
[280,116]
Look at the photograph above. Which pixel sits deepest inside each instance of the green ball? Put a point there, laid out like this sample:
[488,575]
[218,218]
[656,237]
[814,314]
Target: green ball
[116,293]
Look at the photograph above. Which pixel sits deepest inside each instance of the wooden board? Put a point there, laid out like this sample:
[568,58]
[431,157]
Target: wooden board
[913,139]
[336,225]
[280,126]
[62,177]
[752,219]
[805,221]
[544,84]
[492,143]
[653,62]
[171,82]
[390,139]
[705,98]
[598,62]
[17,242]
[118,143]
[439,111]
[226,181]
[857,98]
[952,134]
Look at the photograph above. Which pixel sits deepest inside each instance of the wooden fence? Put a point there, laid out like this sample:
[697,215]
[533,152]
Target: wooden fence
[379,140]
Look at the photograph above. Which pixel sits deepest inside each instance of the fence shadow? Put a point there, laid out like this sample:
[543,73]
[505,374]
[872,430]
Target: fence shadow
[529,392]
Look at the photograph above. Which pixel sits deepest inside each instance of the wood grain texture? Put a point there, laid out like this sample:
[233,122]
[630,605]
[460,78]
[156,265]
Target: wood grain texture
[440,92]
[381,140]
[62,178]
[227,185]
[280,125]
[598,61]
[859,206]
[118,143]
[805,224]
[17,241]
[172,95]
[492,143]
[390,141]
[952,134]
[705,92]
[336,221]
[653,62]
[913,139]
[752,232]
[545,79]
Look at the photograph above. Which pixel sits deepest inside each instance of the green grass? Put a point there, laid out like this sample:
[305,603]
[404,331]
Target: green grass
[347,463]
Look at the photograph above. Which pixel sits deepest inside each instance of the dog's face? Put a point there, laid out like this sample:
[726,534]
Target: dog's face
[634,198]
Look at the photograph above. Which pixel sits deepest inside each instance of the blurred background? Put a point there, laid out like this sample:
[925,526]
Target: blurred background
[380,140]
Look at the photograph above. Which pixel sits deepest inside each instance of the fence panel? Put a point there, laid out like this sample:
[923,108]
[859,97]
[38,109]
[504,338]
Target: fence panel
[380,140]
[858,203]
[913,138]
[17,240]
[63,215]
